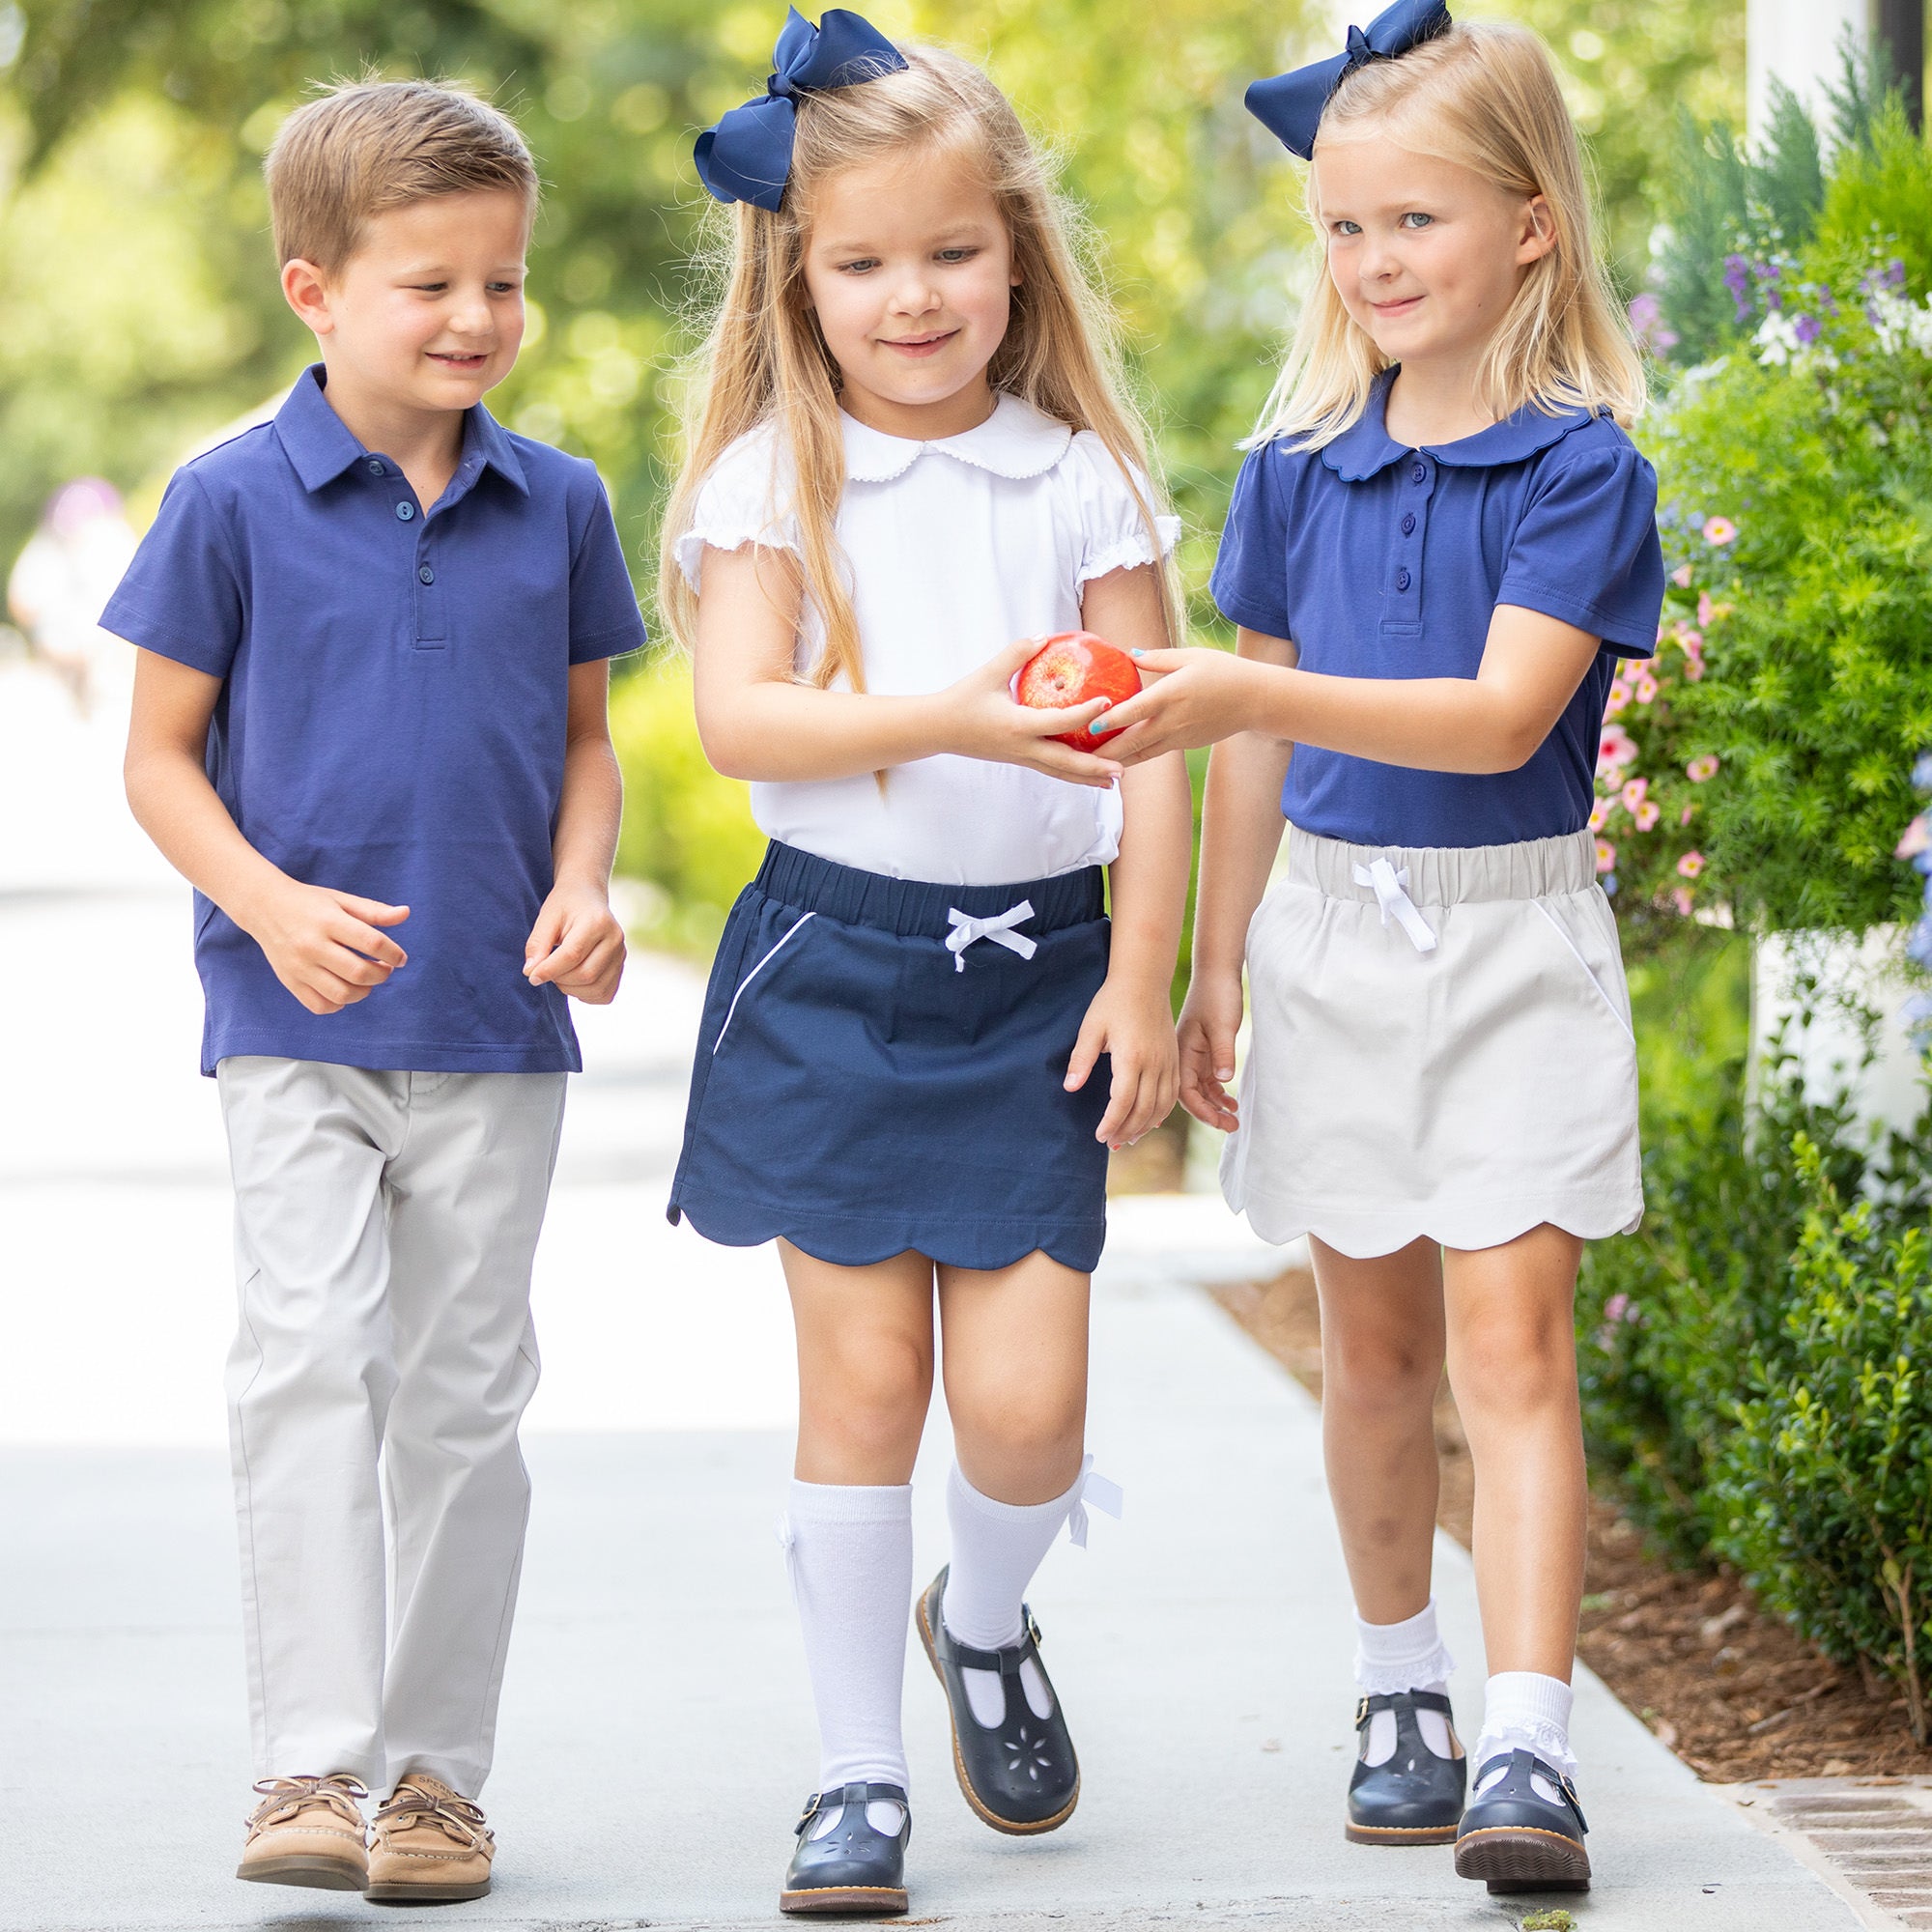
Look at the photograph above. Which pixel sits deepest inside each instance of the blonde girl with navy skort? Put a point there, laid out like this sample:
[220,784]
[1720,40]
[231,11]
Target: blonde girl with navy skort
[922,1033]
[1439,540]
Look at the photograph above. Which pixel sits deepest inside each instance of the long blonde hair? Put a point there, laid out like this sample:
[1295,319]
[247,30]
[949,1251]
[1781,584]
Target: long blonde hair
[764,359]
[1483,94]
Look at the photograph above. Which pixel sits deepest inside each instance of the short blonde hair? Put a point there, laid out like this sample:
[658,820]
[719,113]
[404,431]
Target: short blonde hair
[1484,96]
[368,146]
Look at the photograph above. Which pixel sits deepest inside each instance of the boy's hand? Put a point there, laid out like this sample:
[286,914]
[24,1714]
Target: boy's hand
[1188,699]
[1211,1016]
[1134,1026]
[981,719]
[326,947]
[576,944]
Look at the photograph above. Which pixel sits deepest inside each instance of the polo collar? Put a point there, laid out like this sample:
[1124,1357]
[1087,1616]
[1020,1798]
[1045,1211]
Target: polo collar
[1016,441]
[321,445]
[1366,448]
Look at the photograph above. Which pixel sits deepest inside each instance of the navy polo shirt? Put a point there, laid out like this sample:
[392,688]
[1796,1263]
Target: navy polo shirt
[1378,561]
[392,714]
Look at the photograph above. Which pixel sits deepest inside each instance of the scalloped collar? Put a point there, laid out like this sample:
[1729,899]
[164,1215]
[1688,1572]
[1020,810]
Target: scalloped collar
[1366,448]
[1016,441]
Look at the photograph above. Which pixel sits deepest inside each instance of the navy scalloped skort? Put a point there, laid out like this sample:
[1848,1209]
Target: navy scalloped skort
[861,1090]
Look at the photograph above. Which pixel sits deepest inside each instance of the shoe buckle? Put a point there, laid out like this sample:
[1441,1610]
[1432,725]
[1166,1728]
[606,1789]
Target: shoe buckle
[810,1812]
[1033,1629]
[1361,1712]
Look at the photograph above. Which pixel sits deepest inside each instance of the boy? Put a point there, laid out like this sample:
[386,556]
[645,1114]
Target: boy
[369,726]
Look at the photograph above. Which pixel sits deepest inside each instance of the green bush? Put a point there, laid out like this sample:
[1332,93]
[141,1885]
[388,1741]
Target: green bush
[1821,1494]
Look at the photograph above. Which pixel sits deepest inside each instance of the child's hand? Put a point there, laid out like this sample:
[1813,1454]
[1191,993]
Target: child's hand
[1211,1016]
[1134,1026]
[1188,699]
[576,944]
[981,719]
[324,945]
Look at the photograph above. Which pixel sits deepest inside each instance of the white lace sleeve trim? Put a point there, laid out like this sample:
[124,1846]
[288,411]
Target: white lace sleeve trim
[736,506]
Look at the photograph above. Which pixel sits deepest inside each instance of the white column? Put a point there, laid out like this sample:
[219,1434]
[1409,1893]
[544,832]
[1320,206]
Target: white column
[1798,42]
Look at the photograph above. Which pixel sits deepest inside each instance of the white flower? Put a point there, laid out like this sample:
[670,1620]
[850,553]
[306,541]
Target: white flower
[1900,323]
[1776,339]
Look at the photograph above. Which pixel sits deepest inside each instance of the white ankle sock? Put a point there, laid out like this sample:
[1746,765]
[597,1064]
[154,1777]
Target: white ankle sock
[1409,1655]
[995,1549]
[850,1553]
[1525,1711]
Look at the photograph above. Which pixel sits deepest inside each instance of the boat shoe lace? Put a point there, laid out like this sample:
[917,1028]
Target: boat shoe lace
[286,1799]
[409,1807]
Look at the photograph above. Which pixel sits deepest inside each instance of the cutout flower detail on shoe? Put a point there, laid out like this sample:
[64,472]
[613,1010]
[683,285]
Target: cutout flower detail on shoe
[1036,1746]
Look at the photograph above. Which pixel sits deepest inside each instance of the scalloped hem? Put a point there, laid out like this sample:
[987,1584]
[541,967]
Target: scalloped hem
[1469,1225]
[689,549]
[964,1244]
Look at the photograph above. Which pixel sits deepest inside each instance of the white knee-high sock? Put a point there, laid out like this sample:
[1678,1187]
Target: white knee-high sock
[1523,1710]
[850,1553]
[1409,1655]
[995,1549]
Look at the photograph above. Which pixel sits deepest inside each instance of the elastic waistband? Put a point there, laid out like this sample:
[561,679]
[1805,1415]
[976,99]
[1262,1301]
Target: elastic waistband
[1441,875]
[912,906]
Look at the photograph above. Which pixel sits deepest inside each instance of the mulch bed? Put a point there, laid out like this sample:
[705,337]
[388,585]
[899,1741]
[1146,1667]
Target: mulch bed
[1737,1694]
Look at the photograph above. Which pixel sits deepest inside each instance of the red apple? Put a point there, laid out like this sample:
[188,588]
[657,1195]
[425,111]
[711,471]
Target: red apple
[1070,669]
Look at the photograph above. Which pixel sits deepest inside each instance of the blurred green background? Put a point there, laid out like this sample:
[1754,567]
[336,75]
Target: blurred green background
[139,311]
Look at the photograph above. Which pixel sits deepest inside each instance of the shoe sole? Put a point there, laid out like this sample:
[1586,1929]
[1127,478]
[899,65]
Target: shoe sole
[1520,1858]
[305,1868]
[986,1817]
[1399,1835]
[424,1894]
[870,1901]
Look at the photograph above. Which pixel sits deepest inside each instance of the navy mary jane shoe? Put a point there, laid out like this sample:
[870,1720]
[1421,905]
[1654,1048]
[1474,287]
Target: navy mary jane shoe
[1518,1839]
[852,1870]
[1022,1776]
[1412,1798]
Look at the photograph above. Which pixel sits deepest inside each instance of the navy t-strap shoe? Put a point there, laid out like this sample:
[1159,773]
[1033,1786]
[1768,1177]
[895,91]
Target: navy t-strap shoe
[1021,1777]
[1412,1798]
[854,1868]
[1518,1839]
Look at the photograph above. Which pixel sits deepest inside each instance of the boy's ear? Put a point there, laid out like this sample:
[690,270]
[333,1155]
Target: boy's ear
[305,288]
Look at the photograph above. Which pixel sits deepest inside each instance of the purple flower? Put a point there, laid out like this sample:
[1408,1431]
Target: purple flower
[1807,329]
[1737,278]
[1894,274]
[1646,317]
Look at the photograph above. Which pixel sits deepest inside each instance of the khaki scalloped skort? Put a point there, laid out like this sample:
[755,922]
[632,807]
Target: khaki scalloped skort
[1440,1047]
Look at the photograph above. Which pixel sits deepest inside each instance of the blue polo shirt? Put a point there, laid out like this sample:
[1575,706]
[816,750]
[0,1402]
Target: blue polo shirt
[392,714]
[1379,561]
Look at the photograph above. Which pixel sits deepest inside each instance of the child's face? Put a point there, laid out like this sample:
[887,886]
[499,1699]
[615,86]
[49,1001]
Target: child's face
[1425,255]
[428,312]
[910,267]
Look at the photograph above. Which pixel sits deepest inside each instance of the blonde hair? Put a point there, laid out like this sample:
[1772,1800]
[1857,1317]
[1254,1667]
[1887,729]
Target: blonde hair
[764,359]
[368,146]
[1481,94]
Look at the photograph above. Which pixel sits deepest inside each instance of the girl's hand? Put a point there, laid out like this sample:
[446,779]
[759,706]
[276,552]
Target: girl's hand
[983,720]
[1189,699]
[1211,1016]
[1133,1025]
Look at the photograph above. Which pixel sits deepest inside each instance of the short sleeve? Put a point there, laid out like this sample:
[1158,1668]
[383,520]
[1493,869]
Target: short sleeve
[1114,532]
[605,621]
[1250,581]
[181,597]
[1586,551]
[744,499]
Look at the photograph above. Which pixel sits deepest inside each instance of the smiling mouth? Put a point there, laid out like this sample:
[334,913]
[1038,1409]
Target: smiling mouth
[919,345]
[475,359]
[1395,308]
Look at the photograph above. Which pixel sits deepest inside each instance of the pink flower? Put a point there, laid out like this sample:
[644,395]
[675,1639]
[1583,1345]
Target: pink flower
[1706,610]
[1632,793]
[1599,813]
[1718,529]
[1646,814]
[1615,748]
[1685,816]
[1680,897]
[1606,856]
[1693,669]
[1619,700]
[1646,688]
[1691,640]
[1690,864]
[1701,768]
[1618,1308]
[1680,577]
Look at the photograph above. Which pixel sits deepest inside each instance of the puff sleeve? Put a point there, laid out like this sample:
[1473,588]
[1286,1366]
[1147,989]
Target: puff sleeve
[1114,532]
[1585,550]
[744,499]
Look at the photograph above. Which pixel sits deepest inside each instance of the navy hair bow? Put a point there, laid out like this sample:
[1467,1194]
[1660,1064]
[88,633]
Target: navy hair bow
[1290,105]
[748,155]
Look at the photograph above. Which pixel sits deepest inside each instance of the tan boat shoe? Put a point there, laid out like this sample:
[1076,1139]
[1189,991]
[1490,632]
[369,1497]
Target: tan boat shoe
[309,1831]
[431,1846]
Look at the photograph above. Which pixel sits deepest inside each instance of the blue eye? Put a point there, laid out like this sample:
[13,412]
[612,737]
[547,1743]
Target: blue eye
[1347,228]
[1420,220]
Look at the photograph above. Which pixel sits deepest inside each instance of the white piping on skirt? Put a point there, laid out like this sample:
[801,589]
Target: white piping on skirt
[791,934]
[1585,964]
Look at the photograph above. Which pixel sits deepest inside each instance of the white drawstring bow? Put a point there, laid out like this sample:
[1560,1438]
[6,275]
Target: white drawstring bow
[1395,902]
[999,930]
[1102,1492]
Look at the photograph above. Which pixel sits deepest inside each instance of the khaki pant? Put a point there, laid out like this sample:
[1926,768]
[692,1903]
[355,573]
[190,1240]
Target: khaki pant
[385,1225]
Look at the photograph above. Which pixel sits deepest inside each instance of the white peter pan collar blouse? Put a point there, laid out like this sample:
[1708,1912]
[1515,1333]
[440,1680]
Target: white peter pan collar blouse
[955,548]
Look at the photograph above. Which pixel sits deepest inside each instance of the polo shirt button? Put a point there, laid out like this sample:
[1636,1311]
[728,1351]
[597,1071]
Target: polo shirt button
[1418,473]
[406,511]
[1408,522]
[1401,580]
[427,575]
[376,469]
